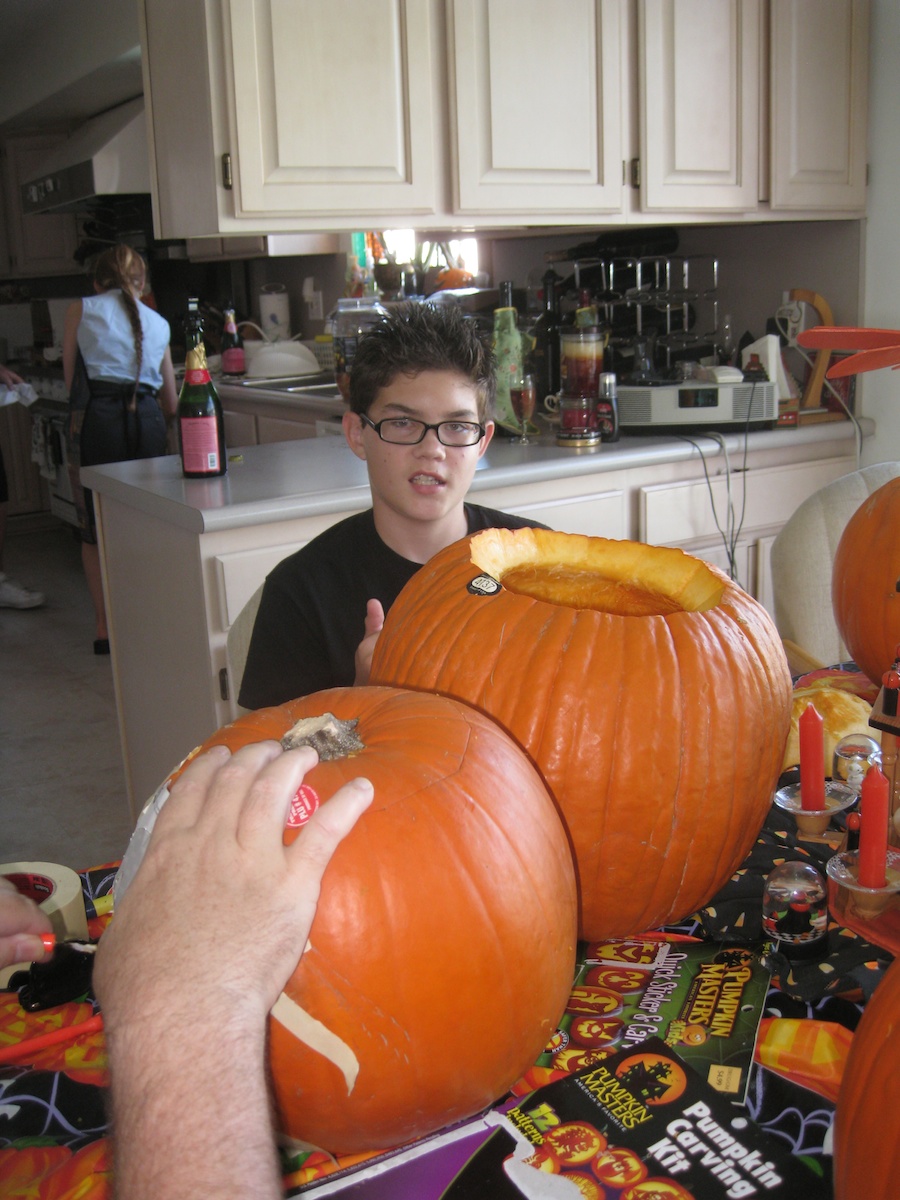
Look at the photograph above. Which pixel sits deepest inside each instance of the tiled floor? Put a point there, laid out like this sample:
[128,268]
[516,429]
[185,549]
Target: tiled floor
[62,787]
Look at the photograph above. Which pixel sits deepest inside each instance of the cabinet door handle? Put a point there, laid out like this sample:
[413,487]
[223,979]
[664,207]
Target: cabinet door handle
[223,683]
[227,181]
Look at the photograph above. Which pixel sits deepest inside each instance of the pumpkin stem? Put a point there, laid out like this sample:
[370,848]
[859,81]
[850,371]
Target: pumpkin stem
[328,735]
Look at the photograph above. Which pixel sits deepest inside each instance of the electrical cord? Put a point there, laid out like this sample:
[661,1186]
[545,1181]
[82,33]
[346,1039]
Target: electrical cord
[731,532]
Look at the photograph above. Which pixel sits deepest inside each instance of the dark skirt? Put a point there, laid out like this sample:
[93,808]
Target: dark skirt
[109,422]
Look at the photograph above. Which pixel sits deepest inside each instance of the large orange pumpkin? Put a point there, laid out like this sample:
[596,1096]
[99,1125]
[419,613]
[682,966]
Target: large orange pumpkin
[866,1129]
[865,581]
[651,691]
[443,946]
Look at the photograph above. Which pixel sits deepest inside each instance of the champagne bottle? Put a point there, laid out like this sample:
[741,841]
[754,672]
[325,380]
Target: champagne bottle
[201,428]
[232,345]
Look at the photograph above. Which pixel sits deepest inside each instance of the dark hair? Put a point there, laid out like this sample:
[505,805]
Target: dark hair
[413,338]
[122,267]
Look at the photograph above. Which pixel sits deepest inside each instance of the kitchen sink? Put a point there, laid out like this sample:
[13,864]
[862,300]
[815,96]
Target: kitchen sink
[319,386]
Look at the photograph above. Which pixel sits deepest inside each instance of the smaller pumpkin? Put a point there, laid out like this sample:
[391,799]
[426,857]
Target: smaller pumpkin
[443,946]
[866,1128]
[865,581]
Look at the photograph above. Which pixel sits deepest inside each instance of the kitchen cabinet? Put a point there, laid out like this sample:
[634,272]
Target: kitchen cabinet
[255,418]
[819,91]
[536,105]
[182,557]
[272,246]
[700,66]
[35,244]
[28,492]
[756,107]
[442,114]
[275,116]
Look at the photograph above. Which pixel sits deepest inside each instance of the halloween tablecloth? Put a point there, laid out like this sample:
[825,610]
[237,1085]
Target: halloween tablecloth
[53,1115]
[54,1141]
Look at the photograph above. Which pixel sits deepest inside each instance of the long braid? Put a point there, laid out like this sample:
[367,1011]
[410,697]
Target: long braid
[123,268]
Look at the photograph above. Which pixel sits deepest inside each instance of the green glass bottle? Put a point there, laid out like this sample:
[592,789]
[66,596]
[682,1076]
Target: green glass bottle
[201,426]
[509,356]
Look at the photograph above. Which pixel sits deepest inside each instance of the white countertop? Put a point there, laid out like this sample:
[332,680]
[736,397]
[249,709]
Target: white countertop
[285,480]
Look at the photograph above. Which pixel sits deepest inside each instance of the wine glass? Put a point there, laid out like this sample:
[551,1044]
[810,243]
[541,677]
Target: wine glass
[522,395]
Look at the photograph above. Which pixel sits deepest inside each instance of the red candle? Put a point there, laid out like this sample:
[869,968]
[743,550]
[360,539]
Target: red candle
[873,829]
[812,760]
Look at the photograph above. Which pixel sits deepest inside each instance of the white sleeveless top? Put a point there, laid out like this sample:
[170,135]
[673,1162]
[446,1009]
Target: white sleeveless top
[106,340]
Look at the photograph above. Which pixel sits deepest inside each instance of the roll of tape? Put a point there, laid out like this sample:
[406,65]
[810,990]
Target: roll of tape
[57,889]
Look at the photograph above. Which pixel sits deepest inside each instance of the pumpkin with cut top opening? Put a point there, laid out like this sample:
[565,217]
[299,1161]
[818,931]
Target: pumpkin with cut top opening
[443,946]
[650,690]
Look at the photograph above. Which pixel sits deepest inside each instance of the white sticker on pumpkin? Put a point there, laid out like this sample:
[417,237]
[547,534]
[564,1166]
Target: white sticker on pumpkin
[318,1037]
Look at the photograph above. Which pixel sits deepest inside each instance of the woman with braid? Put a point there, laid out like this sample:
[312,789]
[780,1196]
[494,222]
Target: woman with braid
[121,385]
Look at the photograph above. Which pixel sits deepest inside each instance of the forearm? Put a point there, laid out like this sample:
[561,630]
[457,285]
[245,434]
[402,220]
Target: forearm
[191,1111]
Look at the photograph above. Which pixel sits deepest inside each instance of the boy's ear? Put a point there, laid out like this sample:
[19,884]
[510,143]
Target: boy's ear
[353,432]
[489,428]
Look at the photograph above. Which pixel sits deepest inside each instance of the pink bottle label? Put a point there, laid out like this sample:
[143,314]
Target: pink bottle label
[199,444]
[233,361]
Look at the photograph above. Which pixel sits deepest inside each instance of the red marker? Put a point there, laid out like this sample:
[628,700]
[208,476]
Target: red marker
[50,941]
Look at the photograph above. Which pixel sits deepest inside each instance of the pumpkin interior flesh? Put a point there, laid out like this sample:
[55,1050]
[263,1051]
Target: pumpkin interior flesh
[618,577]
[560,584]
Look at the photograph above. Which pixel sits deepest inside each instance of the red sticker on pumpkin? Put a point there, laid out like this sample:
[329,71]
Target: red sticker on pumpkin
[303,805]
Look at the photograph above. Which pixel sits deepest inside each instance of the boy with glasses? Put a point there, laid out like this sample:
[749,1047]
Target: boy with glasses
[421,398]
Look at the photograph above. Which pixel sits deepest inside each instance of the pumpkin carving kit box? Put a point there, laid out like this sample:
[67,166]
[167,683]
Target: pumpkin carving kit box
[704,1000]
[639,1125]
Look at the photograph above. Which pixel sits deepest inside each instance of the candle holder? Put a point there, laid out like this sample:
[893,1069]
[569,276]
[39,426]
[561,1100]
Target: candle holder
[863,902]
[853,755]
[838,796]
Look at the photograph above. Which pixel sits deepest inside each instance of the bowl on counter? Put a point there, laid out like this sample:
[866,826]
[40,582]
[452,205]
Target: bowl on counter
[270,360]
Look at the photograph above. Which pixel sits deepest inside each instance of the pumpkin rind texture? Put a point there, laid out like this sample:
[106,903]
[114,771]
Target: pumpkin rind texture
[660,734]
[867,1124]
[443,946]
[865,579]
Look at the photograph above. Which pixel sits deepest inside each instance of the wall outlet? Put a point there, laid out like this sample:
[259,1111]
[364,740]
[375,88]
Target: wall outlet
[314,307]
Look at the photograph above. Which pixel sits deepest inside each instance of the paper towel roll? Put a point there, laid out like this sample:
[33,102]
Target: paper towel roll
[275,312]
[57,889]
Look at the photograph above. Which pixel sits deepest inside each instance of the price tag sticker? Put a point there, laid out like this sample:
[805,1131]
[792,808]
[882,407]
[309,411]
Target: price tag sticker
[303,805]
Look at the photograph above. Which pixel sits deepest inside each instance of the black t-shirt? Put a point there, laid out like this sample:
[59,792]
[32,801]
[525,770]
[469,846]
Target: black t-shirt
[312,614]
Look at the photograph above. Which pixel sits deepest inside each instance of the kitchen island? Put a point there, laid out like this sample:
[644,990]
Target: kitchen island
[182,557]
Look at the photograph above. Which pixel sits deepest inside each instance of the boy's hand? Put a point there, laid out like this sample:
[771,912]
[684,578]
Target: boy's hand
[366,648]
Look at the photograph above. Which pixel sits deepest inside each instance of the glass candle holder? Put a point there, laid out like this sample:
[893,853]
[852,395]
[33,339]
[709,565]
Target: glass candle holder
[853,755]
[838,796]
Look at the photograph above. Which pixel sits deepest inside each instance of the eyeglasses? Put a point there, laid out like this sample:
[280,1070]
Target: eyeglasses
[403,431]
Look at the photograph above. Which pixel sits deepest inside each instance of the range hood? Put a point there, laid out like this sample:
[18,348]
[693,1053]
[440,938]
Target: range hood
[106,157]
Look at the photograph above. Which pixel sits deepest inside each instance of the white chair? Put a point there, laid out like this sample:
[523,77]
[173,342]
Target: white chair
[802,559]
[237,644]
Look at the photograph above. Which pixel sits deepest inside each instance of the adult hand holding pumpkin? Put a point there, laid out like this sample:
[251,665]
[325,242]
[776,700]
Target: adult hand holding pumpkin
[197,953]
[240,924]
